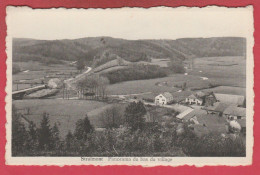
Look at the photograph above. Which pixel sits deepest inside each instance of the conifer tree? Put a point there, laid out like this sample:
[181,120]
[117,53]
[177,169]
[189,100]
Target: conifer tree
[83,128]
[45,135]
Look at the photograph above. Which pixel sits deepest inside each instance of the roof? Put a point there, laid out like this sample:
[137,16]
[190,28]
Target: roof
[218,107]
[167,95]
[236,111]
[192,96]
[195,112]
[230,99]
[184,113]
[200,94]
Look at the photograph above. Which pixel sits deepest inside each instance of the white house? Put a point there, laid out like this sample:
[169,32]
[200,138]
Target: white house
[192,99]
[163,99]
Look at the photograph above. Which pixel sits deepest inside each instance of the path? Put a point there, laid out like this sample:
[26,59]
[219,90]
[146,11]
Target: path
[70,81]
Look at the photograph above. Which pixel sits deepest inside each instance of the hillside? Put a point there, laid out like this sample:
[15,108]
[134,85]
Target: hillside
[103,49]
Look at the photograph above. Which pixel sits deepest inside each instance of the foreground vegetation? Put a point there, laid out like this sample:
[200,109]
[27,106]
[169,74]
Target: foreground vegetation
[129,136]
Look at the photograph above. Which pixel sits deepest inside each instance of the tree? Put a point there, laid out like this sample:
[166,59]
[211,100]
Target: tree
[19,134]
[176,66]
[83,128]
[80,64]
[111,117]
[134,114]
[103,82]
[69,141]
[55,136]
[45,135]
[32,137]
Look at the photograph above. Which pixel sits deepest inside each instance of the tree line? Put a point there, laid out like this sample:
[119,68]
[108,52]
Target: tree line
[135,72]
[124,135]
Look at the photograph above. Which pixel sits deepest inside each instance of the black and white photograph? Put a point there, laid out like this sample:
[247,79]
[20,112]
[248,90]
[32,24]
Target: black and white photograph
[114,86]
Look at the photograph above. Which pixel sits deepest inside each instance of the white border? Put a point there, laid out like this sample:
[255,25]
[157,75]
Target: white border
[198,161]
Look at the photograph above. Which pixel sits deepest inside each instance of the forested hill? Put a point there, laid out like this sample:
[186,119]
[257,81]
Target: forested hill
[54,51]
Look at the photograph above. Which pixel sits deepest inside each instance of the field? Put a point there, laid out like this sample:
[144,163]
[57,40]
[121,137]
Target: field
[64,112]
[33,73]
[226,71]
[221,74]
[207,72]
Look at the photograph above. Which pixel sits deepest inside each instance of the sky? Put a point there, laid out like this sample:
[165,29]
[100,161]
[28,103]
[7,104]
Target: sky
[128,23]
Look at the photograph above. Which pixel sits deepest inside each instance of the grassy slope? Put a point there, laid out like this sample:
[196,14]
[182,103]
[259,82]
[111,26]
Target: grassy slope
[64,112]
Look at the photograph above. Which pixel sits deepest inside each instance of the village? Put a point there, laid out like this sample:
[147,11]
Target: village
[204,112]
[158,104]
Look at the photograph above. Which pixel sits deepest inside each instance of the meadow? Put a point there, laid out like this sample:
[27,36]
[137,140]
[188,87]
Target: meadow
[63,112]
[223,79]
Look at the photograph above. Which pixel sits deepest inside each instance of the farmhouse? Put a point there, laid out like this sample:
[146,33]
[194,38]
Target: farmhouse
[192,99]
[164,98]
[236,100]
[233,112]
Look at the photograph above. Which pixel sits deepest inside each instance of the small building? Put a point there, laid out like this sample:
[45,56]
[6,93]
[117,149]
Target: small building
[164,98]
[192,99]
[233,112]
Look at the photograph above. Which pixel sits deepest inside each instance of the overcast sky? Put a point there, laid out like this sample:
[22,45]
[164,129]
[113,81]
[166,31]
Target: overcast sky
[128,23]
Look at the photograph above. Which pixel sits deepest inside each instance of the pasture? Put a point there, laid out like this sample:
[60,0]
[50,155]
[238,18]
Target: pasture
[227,72]
[63,112]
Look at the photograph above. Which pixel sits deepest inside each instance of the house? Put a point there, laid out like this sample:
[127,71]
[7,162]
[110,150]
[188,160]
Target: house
[217,108]
[236,100]
[233,112]
[210,99]
[192,99]
[164,98]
